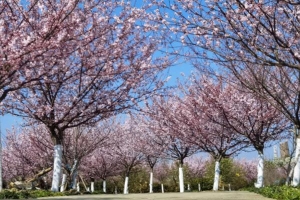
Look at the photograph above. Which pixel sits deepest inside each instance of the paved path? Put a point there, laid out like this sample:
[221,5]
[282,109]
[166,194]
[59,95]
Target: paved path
[233,195]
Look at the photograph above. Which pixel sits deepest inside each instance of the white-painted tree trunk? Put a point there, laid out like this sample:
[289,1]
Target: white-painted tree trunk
[181,182]
[296,176]
[189,187]
[162,188]
[74,173]
[126,185]
[92,187]
[199,187]
[104,185]
[78,187]
[63,182]
[151,183]
[260,171]
[56,167]
[217,176]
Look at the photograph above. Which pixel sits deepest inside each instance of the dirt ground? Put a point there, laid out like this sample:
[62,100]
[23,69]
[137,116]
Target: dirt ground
[232,195]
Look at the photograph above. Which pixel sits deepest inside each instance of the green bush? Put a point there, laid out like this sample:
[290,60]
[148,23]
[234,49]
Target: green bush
[278,192]
[27,194]
[44,193]
[9,194]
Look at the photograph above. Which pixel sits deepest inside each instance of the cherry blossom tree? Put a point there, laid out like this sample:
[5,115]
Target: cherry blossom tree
[162,172]
[147,143]
[250,118]
[31,150]
[164,121]
[81,142]
[201,115]
[280,87]
[32,39]
[126,150]
[104,66]
[254,32]
[183,126]
[197,167]
[101,164]
[215,139]
[249,167]
[26,152]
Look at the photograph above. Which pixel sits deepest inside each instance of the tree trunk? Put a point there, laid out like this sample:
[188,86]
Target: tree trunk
[296,175]
[151,182]
[56,167]
[92,187]
[78,187]
[74,180]
[260,170]
[39,174]
[199,187]
[181,182]
[217,176]
[162,188]
[74,173]
[63,182]
[126,185]
[290,175]
[104,185]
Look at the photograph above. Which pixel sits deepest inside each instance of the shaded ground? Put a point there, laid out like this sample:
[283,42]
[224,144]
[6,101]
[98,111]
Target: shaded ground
[233,195]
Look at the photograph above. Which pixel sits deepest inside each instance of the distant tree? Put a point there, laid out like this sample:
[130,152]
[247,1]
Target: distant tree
[101,164]
[147,143]
[163,118]
[250,119]
[127,151]
[206,125]
[26,152]
[29,150]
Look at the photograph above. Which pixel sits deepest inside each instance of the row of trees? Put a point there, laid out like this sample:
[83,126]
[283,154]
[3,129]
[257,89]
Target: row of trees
[28,153]
[209,116]
[71,64]
[256,42]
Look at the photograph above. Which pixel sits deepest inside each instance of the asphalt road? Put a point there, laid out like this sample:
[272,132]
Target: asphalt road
[232,195]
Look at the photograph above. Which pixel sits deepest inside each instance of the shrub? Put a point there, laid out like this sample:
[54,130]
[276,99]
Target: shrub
[278,192]
[9,194]
[27,194]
